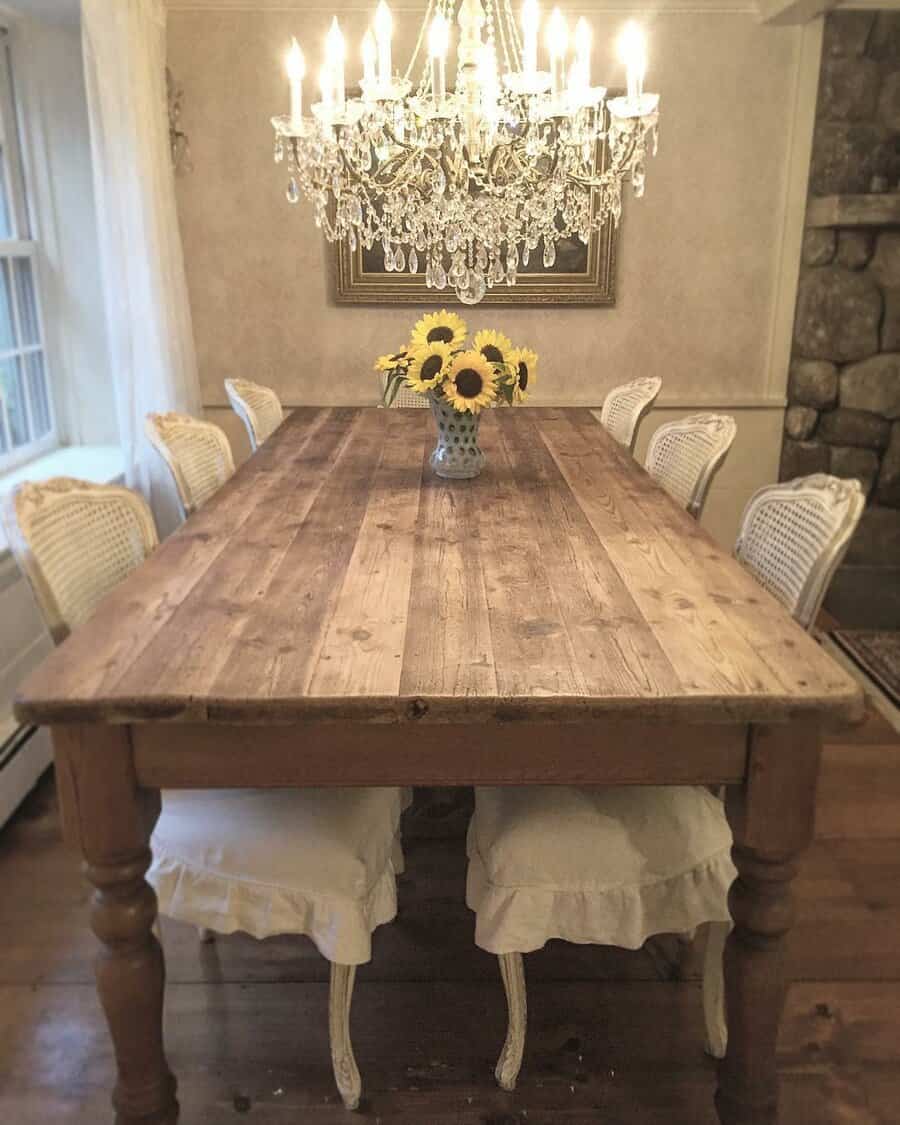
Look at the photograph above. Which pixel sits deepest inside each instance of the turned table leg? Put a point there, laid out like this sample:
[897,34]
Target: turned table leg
[110,819]
[772,818]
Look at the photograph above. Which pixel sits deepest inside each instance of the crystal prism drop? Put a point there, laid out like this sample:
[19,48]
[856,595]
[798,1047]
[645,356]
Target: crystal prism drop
[549,254]
[413,262]
[399,260]
[440,277]
[474,290]
[293,192]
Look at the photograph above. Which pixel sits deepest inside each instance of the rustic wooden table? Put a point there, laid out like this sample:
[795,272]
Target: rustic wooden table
[337,615]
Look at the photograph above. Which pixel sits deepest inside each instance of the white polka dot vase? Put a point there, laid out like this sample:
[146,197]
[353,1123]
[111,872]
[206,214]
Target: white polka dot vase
[457,454]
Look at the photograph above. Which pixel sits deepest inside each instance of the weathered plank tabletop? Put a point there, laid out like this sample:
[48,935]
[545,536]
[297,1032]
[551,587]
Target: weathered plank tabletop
[339,615]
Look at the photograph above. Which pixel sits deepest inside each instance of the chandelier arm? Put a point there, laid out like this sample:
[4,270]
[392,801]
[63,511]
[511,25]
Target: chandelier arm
[622,163]
[357,177]
[396,167]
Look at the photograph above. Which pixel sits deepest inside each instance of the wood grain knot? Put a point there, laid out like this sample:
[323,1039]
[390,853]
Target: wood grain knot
[416,708]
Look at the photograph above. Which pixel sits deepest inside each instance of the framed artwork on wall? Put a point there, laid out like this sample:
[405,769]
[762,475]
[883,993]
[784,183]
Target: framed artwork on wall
[581,275]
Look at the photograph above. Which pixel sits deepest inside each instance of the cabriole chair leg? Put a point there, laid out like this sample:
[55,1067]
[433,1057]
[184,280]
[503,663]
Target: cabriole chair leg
[512,971]
[714,990]
[346,1074]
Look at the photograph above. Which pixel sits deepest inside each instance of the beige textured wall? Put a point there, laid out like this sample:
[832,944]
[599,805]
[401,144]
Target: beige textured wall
[698,255]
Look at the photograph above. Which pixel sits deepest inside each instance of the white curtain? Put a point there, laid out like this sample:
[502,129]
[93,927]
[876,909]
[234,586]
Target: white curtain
[148,316]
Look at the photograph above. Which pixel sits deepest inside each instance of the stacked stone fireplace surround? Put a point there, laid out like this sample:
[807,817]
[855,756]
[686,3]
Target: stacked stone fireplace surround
[843,413]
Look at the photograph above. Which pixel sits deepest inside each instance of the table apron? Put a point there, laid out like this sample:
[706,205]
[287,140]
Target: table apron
[626,752]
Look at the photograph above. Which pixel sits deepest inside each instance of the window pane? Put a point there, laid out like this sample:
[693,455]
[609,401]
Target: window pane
[41,422]
[13,392]
[25,298]
[7,335]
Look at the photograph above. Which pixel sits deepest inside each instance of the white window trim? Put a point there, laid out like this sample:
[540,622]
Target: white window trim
[25,206]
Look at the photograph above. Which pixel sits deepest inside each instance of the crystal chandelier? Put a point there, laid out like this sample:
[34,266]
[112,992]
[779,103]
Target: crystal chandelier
[467,184]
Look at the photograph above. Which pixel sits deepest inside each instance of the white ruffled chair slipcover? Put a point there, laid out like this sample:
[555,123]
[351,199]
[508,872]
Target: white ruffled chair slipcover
[320,862]
[606,866]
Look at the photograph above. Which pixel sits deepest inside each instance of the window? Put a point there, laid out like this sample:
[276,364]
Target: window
[27,425]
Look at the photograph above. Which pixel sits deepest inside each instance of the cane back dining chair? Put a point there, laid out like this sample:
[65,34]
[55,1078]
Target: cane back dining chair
[684,456]
[406,397]
[794,535]
[625,406]
[196,453]
[258,407]
[317,862]
[616,866]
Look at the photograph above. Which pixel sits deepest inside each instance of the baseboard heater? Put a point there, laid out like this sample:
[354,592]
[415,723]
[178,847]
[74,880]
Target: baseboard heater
[24,756]
[14,745]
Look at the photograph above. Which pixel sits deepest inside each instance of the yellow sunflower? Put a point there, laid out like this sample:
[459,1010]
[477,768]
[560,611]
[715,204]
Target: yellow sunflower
[494,346]
[439,327]
[523,367]
[471,382]
[429,367]
[389,362]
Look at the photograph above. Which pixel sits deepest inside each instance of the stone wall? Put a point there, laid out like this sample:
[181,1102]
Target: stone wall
[843,412]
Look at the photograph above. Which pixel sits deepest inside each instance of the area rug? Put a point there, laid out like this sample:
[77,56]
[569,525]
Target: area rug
[877,652]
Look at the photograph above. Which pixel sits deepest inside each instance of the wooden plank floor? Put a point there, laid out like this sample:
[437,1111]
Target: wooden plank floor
[614,1037]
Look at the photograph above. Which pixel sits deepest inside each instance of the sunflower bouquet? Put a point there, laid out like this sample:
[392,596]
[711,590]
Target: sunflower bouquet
[438,363]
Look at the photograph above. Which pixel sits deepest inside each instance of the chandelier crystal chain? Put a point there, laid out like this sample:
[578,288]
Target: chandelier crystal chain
[468,184]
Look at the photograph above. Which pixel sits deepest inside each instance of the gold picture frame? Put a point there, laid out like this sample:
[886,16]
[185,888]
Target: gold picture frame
[582,275]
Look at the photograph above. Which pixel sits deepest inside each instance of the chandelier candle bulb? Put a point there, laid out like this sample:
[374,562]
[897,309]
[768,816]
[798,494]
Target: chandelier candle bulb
[583,52]
[296,68]
[369,54]
[438,45]
[557,44]
[487,78]
[326,87]
[575,87]
[531,22]
[383,29]
[334,54]
[633,53]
